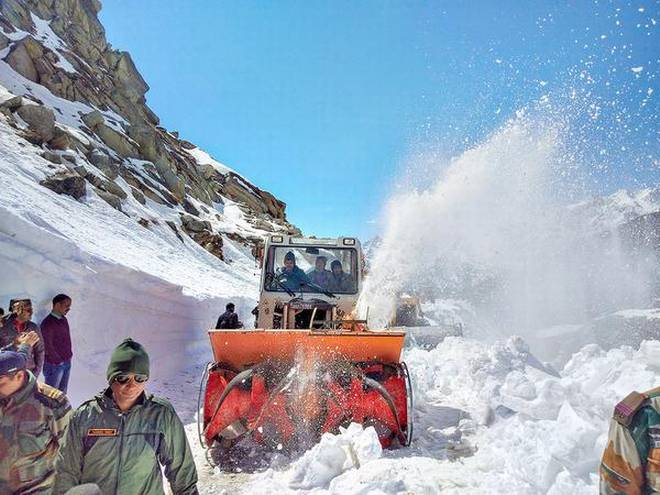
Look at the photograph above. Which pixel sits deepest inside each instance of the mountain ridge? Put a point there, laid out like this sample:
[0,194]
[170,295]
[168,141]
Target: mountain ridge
[82,106]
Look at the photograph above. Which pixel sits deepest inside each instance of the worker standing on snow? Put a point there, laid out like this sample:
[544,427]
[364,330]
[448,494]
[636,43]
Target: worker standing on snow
[17,324]
[229,319]
[631,461]
[33,418]
[121,438]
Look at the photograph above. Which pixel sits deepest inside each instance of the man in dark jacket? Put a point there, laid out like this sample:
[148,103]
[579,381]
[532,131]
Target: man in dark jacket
[291,276]
[339,281]
[19,323]
[57,343]
[121,438]
[229,319]
[33,418]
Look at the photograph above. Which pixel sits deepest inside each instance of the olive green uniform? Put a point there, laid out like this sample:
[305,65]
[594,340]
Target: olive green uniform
[32,423]
[631,461]
[122,452]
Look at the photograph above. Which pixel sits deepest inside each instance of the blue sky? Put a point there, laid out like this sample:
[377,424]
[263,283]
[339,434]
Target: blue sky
[323,103]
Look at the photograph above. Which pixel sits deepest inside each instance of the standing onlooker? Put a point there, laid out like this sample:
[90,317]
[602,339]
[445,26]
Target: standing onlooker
[33,418]
[121,438]
[57,341]
[229,319]
[17,324]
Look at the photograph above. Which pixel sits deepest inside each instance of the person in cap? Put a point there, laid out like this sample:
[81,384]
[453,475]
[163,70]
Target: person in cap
[18,323]
[121,438]
[631,461]
[290,275]
[33,419]
[229,319]
[339,281]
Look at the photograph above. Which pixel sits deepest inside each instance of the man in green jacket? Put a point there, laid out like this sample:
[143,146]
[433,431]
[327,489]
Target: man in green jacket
[121,438]
[33,418]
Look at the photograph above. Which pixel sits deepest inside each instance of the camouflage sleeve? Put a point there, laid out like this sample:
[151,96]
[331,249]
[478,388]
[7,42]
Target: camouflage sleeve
[24,349]
[68,466]
[177,459]
[61,418]
[621,469]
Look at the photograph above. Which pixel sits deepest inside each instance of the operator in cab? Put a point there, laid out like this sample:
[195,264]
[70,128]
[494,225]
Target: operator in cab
[339,281]
[291,276]
[320,274]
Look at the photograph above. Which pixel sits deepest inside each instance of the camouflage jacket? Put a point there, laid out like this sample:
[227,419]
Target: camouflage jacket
[35,355]
[123,452]
[32,422]
[631,462]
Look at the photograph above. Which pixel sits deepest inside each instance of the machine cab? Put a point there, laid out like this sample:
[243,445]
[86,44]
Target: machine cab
[308,283]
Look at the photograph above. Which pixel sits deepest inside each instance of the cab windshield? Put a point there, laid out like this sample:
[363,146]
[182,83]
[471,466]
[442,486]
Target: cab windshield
[311,269]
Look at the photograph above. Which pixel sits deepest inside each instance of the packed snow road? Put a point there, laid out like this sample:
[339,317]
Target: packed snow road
[489,418]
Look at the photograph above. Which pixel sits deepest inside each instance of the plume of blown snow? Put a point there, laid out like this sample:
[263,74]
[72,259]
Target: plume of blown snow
[492,228]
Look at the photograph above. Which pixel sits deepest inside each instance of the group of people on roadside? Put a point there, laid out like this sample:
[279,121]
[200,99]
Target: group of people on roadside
[120,441]
[333,280]
[51,350]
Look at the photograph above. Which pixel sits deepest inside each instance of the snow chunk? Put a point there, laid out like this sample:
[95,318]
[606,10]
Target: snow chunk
[334,455]
[325,463]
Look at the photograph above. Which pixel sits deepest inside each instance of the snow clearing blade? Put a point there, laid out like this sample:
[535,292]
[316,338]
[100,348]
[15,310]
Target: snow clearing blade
[288,387]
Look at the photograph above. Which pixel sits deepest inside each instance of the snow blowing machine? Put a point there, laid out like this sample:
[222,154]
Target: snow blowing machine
[310,366]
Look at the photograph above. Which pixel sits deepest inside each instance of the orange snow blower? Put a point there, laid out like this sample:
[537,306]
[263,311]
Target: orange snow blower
[308,369]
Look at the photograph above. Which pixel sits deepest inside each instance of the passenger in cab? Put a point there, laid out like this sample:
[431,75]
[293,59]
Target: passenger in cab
[338,280]
[291,276]
[320,275]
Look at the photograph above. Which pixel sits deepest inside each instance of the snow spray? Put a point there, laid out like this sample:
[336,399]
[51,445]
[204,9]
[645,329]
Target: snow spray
[493,230]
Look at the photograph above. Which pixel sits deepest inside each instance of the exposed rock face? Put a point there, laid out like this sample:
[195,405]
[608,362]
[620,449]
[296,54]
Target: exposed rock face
[40,119]
[124,137]
[22,58]
[68,183]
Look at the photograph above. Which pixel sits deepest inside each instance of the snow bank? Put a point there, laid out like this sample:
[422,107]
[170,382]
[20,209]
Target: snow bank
[489,419]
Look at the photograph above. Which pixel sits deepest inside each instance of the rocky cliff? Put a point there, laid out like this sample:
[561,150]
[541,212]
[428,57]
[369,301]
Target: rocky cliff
[80,104]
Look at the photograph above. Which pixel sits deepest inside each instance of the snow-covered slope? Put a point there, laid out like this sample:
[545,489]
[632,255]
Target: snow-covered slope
[620,207]
[150,235]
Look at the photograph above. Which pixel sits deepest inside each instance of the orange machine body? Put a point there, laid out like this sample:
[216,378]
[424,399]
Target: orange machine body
[241,348]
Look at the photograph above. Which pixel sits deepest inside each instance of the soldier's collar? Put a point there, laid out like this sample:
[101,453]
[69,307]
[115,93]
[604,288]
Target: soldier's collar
[108,399]
[25,391]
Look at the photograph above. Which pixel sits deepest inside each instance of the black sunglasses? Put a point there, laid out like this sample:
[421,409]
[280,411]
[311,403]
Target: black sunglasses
[124,378]
[10,373]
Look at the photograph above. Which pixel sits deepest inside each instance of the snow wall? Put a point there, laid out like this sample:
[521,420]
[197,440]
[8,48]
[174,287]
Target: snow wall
[110,302]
